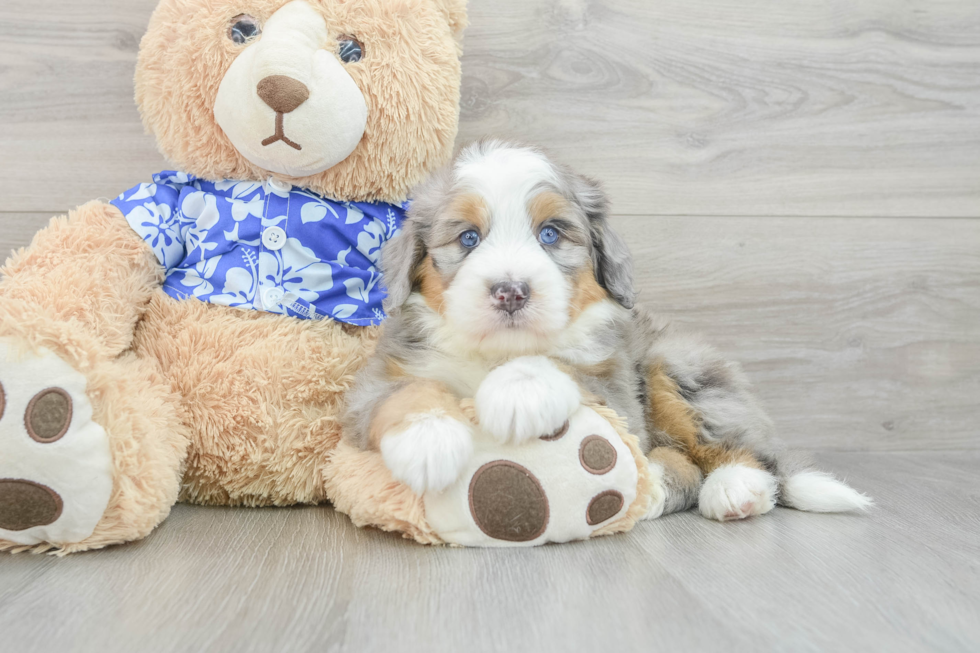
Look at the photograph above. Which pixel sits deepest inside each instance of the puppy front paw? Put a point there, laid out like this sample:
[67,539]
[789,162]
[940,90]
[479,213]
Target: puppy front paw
[430,454]
[526,398]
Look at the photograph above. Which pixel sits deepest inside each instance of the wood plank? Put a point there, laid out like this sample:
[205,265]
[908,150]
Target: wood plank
[901,578]
[859,333]
[684,107]
[69,128]
[747,107]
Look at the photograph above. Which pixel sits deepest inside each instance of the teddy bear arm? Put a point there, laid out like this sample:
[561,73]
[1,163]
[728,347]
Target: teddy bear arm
[81,286]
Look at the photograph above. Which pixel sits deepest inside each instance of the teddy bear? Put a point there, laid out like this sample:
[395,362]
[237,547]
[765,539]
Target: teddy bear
[192,339]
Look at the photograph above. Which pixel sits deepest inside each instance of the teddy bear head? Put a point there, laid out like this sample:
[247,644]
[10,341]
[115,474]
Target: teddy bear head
[354,99]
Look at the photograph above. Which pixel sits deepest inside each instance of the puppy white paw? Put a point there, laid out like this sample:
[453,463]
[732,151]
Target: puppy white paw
[737,492]
[526,398]
[430,454]
[658,497]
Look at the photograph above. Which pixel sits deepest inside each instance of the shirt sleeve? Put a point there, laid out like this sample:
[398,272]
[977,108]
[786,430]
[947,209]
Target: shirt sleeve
[151,210]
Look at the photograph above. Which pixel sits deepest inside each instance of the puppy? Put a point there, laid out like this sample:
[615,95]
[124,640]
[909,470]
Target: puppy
[507,285]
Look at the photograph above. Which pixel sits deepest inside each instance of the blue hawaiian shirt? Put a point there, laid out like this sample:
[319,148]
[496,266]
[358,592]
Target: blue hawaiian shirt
[265,246]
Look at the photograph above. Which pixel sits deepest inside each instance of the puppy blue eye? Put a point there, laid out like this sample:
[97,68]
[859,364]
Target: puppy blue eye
[350,50]
[469,239]
[548,236]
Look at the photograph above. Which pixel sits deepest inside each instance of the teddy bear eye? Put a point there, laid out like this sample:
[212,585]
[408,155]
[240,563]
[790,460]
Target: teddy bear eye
[469,239]
[350,49]
[243,29]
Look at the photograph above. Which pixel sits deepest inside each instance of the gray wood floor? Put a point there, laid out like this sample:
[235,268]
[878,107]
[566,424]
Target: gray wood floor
[799,181]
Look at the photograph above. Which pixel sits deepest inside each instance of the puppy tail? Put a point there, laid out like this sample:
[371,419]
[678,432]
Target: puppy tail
[815,491]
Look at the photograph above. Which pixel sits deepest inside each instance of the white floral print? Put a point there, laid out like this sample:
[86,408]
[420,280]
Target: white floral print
[209,237]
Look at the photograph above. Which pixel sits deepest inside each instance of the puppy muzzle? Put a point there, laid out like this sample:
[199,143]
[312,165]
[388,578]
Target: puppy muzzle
[510,296]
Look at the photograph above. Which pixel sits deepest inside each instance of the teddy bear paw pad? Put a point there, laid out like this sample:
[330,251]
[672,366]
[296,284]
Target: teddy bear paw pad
[55,463]
[558,487]
[507,502]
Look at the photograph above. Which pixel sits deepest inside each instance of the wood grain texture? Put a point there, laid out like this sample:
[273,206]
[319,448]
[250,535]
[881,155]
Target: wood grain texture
[747,107]
[858,333]
[69,128]
[902,578]
[707,107]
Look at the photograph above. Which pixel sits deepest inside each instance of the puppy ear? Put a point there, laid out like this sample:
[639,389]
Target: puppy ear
[610,256]
[399,258]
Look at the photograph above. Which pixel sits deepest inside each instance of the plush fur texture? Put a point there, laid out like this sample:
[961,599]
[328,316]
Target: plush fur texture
[363,487]
[211,404]
[79,290]
[260,396]
[409,78]
[509,285]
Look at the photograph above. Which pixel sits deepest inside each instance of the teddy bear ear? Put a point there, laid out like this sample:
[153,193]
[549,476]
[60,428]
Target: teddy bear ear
[455,12]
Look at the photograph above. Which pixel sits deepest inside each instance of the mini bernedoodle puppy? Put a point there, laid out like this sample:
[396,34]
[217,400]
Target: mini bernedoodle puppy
[507,285]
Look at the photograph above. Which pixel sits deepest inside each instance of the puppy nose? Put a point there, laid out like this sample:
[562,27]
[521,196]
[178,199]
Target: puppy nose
[283,94]
[510,296]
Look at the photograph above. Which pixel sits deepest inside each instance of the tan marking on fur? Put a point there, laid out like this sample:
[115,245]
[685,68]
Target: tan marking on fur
[680,467]
[394,369]
[671,414]
[473,209]
[586,292]
[602,369]
[420,396]
[545,206]
[710,457]
[431,286]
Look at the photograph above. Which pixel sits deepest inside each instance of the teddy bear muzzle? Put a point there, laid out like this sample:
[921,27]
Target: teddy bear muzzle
[288,82]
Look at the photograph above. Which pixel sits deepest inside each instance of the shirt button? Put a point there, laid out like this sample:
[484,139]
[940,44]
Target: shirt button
[280,186]
[274,238]
[273,297]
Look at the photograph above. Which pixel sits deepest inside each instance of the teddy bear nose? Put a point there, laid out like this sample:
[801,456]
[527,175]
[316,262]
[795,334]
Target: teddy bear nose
[510,296]
[284,94]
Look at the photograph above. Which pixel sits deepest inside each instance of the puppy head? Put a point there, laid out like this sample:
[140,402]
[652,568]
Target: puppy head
[508,248]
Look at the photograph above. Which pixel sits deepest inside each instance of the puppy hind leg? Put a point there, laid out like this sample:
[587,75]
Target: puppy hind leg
[679,482]
[702,402]
[736,484]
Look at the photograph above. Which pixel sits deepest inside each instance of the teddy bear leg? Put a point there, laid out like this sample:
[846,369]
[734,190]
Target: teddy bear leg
[86,460]
[90,443]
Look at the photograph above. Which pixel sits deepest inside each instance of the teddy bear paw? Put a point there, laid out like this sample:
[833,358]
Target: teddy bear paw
[524,398]
[558,487]
[55,463]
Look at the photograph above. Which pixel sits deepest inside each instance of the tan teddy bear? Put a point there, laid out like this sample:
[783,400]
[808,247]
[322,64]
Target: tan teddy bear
[193,339]
[169,345]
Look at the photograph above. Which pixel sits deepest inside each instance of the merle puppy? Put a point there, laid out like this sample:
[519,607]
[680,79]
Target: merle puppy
[507,285]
